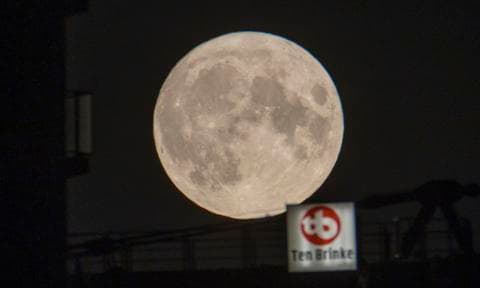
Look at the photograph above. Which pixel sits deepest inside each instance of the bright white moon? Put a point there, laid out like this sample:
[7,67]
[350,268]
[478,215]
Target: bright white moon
[247,123]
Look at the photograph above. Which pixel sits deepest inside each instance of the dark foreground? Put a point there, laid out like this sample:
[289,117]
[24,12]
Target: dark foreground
[448,272]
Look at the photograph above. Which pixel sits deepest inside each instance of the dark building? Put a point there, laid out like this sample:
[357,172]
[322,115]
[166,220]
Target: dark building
[34,163]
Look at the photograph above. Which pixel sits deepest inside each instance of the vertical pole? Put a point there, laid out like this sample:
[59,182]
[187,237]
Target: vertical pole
[396,223]
[386,244]
[188,254]
[77,122]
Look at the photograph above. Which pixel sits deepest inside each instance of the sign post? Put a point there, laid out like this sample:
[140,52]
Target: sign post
[321,237]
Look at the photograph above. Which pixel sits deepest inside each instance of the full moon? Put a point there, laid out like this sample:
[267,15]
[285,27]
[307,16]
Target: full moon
[247,123]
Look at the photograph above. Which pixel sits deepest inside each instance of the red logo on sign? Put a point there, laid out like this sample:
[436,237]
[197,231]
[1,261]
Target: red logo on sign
[320,225]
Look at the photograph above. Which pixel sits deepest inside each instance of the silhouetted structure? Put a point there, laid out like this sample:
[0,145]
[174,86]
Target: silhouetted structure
[440,194]
[33,161]
[252,254]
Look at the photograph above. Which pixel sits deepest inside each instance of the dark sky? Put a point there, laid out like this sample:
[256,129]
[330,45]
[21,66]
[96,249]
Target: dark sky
[407,76]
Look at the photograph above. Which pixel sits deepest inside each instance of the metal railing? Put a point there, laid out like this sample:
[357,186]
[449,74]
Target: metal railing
[240,246]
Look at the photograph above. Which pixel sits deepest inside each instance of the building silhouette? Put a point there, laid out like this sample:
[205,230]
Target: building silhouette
[34,163]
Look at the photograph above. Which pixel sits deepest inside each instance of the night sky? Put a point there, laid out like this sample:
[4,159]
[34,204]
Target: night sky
[407,76]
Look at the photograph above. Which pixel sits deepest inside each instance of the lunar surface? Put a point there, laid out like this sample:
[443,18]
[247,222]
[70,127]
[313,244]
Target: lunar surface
[247,123]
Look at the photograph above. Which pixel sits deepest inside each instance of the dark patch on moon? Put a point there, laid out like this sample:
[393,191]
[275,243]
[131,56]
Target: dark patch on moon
[285,116]
[301,152]
[228,168]
[219,164]
[208,92]
[267,92]
[319,94]
[319,128]
[252,114]
[232,130]
[197,177]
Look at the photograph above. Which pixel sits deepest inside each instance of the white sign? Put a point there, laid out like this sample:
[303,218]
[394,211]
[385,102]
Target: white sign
[321,237]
